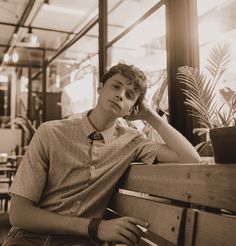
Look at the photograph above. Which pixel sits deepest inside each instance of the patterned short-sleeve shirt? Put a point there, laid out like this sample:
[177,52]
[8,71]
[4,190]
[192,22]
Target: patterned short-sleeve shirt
[65,172]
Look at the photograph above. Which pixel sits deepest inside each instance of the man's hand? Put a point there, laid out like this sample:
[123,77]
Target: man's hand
[122,230]
[139,112]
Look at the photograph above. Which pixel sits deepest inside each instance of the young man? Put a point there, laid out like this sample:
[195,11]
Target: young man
[71,167]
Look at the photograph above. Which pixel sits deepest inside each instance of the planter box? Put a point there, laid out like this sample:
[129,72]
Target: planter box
[224,144]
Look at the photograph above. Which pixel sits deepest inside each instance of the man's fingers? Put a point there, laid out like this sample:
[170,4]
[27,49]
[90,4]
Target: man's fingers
[130,236]
[137,221]
[122,239]
[134,229]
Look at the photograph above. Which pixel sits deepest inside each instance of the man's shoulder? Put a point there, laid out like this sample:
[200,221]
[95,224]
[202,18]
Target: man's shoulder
[60,124]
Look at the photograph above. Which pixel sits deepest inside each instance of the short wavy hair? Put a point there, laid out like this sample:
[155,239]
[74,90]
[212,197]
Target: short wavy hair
[133,74]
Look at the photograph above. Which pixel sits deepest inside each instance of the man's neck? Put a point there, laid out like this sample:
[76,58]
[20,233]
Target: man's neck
[99,120]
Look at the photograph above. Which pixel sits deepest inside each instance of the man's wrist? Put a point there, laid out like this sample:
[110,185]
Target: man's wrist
[93,230]
[149,115]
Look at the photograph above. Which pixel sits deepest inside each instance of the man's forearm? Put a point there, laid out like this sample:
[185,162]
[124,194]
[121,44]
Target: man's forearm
[35,219]
[173,139]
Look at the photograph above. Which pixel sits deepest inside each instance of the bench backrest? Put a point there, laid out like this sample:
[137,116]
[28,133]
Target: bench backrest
[189,204]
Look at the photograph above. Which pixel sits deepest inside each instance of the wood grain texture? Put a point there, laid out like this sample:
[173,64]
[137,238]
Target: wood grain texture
[164,219]
[207,185]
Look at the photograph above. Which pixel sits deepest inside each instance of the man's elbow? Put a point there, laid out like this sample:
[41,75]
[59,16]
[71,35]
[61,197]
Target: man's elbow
[19,211]
[194,158]
[16,217]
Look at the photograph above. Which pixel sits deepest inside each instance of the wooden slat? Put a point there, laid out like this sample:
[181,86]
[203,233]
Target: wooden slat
[208,185]
[215,230]
[164,219]
[190,227]
[158,240]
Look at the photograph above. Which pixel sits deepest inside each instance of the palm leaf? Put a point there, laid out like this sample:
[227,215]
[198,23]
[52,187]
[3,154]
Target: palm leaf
[198,94]
[200,88]
[218,60]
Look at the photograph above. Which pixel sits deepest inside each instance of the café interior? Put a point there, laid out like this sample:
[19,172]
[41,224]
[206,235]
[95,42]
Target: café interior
[54,52]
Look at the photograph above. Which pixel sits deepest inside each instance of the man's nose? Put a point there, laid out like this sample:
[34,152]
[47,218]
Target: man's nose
[121,95]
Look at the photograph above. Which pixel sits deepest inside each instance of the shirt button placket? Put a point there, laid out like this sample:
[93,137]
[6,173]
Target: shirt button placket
[92,171]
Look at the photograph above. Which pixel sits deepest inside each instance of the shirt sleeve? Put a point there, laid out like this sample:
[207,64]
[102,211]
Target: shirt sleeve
[147,151]
[31,176]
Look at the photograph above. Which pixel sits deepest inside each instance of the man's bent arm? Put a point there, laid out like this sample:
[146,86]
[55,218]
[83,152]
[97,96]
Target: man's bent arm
[177,147]
[25,215]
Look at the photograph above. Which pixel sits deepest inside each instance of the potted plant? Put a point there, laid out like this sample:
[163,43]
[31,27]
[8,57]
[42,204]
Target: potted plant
[201,90]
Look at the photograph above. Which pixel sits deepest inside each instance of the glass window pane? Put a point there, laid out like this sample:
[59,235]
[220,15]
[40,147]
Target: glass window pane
[217,26]
[145,47]
[120,17]
[77,74]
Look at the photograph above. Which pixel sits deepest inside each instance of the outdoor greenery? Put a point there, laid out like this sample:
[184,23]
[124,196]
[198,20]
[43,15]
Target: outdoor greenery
[201,93]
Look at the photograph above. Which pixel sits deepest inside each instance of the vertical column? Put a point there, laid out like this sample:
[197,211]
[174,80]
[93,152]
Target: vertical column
[13,96]
[29,106]
[7,110]
[102,37]
[182,49]
[44,91]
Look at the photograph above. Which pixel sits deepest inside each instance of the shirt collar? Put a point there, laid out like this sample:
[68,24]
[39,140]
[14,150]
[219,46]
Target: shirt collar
[88,128]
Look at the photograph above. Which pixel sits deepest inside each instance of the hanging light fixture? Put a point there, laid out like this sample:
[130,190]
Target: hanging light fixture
[15,57]
[31,38]
[6,58]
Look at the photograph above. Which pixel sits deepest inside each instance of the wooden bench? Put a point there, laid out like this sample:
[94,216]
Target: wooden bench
[185,204]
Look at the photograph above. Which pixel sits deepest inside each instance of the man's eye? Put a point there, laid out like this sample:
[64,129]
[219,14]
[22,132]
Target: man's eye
[116,86]
[130,96]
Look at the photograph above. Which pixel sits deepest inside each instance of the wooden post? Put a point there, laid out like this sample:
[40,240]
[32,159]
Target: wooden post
[102,37]
[182,49]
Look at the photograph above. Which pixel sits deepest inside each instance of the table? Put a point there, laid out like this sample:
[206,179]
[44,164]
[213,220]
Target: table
[9,172]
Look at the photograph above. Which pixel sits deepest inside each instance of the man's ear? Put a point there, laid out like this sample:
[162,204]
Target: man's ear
[100,85]
[130,111]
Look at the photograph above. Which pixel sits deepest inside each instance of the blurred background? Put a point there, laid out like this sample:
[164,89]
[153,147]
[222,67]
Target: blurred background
[53,53]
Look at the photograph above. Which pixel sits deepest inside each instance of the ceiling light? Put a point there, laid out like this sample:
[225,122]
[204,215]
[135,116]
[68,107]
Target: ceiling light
[31,38]
[62,10]
[6,58]
[15,57]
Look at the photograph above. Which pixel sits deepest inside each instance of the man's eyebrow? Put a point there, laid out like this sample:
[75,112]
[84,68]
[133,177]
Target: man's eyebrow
[129,83]
[118,81]
[131,90]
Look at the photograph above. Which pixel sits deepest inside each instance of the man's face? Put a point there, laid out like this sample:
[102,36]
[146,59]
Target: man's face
[117,95]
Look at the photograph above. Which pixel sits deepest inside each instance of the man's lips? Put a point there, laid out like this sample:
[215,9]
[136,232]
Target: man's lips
[114,103]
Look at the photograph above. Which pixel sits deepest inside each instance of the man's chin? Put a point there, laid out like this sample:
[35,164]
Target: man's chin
[115,112]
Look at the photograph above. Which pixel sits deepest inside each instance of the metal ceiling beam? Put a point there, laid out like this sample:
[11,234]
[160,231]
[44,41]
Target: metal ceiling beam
[22,65]
[50,29]
[28,48]
[78,36]
[36,28]
[67,45]
[29,13]
[140,20]
[22,20]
